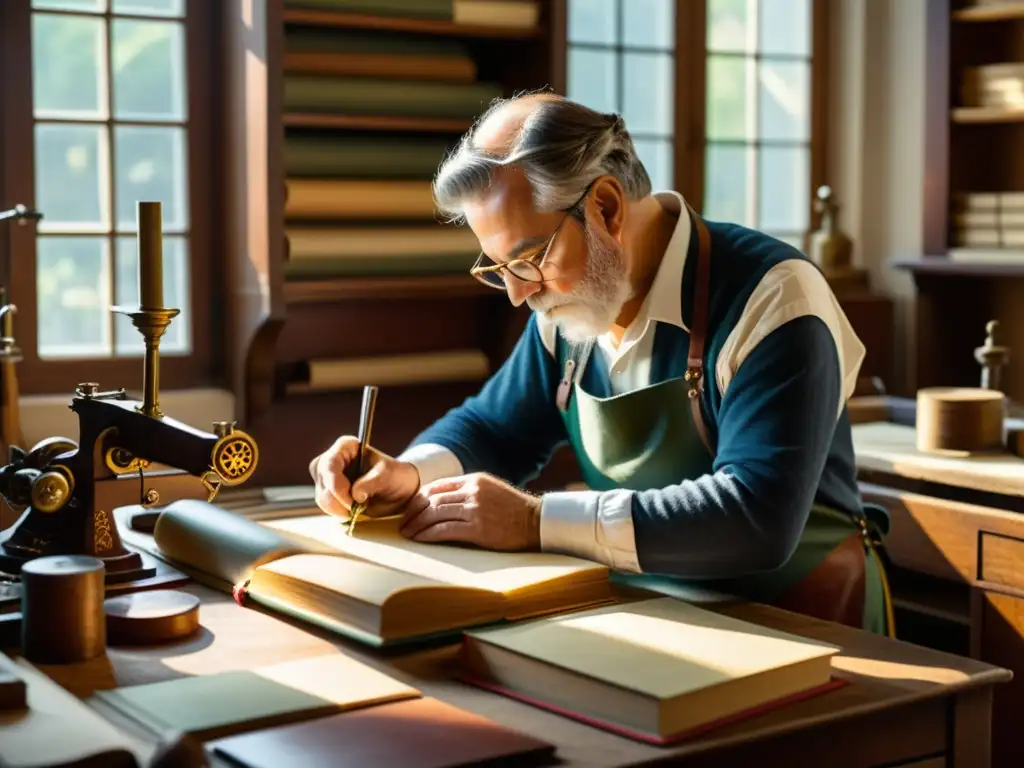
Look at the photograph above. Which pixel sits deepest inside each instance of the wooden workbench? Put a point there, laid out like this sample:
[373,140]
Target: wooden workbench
[904,704]
[958,528]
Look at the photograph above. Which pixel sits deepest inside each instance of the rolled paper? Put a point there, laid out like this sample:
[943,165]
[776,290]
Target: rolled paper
[151,256]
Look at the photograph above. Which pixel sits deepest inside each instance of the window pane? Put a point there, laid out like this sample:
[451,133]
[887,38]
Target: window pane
[729,28]
[149,69]
[785,100]
[176,340]
[657,159]
[73,296]
[650,23]
[647,104]
[592,21]
[149,7]
[784,182]
[72,182]
[593,79]
[68,66]
[726,192]
[728,114]
[89,6]
[785,27]
[150,166]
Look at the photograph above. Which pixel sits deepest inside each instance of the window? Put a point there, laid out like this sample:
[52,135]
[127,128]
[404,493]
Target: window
[758,119]
[723,102]
[623,60]
[105,121]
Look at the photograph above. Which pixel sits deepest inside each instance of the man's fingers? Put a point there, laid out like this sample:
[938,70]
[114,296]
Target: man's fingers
[447,530]
[413,507]
[371,483]
[444,485]
[431,515]
[447,497]
[329,502]
[333,480]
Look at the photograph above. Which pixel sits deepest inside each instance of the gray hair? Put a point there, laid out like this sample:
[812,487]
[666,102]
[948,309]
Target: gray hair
[561,146]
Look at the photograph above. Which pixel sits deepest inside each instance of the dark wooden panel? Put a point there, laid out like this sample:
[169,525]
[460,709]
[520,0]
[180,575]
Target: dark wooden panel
[872,318]
[356,328]
[999,640]
[295,430]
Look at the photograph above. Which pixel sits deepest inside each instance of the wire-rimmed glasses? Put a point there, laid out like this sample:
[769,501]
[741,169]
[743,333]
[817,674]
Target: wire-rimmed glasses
[527,269]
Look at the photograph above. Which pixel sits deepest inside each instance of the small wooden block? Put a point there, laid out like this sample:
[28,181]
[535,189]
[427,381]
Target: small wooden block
[145,618]
[13,691]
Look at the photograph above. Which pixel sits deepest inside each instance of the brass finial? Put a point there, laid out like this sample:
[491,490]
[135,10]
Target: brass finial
[991,357]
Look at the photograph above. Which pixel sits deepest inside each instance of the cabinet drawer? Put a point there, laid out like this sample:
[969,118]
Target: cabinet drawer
[1001,561]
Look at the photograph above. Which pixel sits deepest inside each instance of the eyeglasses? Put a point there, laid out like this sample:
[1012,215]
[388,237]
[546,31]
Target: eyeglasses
[526,269]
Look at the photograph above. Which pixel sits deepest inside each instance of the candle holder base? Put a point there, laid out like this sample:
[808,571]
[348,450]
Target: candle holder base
[152,324]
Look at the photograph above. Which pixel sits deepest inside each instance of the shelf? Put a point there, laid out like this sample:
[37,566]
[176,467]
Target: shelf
[339,20]
[941,265]
[426,287]
[990,13]
[376,123]
[987,115]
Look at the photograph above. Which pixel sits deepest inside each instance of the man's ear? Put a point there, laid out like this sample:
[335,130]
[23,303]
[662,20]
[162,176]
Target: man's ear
[608,200]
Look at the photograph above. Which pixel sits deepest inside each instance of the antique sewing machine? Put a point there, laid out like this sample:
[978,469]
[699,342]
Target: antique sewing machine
[128,452]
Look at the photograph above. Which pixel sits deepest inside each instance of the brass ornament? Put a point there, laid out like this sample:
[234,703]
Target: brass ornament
[234,457]
[51,490]
[121,462]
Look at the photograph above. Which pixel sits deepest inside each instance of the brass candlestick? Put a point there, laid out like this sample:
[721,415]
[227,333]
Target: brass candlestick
[151,317]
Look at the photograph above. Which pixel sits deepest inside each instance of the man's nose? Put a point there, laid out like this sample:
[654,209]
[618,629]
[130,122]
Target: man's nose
[520,290]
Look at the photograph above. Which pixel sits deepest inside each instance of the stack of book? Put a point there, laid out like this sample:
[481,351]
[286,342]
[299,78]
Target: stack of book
[370,112]
[988,226]
[994,85]
[546,629]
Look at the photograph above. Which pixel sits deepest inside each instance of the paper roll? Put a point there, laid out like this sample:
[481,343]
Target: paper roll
[960,420]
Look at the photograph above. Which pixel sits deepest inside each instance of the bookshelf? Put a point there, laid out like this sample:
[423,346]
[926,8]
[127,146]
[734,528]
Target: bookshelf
[972,270]
[309,96]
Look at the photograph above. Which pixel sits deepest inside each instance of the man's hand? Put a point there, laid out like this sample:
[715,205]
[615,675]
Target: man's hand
[387,485]
[474,509]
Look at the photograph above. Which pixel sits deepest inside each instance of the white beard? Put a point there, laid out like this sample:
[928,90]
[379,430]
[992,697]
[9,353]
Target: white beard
[596,300]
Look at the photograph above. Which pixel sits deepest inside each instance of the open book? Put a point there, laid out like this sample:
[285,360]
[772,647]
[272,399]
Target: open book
[375,585]
[655,670]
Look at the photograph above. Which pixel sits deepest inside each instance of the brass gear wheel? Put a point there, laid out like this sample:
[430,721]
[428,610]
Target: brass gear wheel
[235,457]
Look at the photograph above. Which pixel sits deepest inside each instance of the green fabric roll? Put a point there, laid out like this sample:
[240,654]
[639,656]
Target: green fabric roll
[377,157]
[310,40]
[370,96]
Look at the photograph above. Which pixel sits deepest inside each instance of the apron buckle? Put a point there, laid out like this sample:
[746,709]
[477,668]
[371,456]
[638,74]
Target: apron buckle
[565,386]
[693,377]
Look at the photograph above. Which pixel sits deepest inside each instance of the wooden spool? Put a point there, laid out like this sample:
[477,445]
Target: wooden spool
[62,609]
[960,420]
[147,618]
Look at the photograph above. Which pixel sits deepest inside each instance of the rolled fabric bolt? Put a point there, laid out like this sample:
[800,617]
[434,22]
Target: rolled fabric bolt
[62,616]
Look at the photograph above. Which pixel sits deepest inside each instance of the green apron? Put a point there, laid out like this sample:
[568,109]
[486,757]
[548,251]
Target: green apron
[655,436]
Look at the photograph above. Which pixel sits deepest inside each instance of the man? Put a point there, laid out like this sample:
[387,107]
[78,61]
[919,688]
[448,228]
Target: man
[699,371]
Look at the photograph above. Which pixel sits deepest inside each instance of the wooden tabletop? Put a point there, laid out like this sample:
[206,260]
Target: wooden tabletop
[886,677]
[892,449]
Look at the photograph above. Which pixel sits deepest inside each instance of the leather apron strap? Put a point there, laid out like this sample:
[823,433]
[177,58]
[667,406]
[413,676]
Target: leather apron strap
[698,328]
